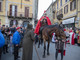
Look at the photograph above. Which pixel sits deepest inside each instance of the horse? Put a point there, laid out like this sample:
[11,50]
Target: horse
[47,32]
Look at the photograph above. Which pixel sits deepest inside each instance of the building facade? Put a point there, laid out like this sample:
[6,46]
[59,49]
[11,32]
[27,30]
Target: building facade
[50,13]
[35,13]
[67,12]
[16,12]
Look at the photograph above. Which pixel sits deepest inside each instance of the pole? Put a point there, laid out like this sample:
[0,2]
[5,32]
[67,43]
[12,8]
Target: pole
[52,12]
[36,51]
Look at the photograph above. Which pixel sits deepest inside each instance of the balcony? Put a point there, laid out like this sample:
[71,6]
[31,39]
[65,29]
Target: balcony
[59,17]
[19,15]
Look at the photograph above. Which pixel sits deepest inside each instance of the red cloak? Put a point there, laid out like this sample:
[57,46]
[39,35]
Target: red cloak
[39,25]
[73,42]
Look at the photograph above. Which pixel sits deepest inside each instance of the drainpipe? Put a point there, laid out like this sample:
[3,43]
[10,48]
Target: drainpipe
[6,10]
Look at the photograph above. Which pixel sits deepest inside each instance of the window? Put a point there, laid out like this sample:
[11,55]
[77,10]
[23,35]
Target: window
[0,6]
[61,11]
[13,10]
[73,5]
[27,0]
[26,11]
[66,9]
[60,2]
[66,0]
[57,5]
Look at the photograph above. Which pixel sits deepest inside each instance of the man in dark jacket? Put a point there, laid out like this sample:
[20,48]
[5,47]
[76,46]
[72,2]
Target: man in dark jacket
[16,41]
[2,42]
[13,29]
[28,43]
[59,45]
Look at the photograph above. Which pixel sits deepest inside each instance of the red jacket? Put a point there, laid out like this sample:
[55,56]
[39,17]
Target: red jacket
[39,25]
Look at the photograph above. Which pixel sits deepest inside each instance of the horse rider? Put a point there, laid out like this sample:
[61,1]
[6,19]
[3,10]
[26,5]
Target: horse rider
[44,21]
[39,24]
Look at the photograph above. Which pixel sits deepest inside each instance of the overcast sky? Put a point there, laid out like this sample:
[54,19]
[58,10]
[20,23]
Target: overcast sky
[43,5]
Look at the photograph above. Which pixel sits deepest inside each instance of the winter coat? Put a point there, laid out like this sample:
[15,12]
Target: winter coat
[13,30]
[59,45]
[16,38]
[2,40]
[28,45]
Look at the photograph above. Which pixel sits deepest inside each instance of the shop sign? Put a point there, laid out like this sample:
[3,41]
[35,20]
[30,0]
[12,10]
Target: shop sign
[68,21]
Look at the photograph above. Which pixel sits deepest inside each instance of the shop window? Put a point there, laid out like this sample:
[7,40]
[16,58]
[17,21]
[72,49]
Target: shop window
[66,9]
[73,5]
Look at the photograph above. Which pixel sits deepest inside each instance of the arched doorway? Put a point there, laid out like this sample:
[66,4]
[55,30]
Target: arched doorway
[13,22]
[25,23]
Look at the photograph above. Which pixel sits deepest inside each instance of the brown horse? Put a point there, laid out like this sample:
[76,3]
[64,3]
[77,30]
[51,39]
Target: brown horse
[47,35]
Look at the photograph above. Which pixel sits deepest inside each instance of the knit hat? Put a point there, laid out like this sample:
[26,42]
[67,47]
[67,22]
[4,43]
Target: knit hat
[18,28]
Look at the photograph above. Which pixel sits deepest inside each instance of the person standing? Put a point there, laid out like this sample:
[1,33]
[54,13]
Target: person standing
[28,43]
[79,38]
[53,38]
[72,37]
[2,42]
[16,41]
[59,45]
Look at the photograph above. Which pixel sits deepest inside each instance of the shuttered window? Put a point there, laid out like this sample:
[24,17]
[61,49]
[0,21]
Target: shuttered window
[66,9]
[0,6]
[26,11]
[10,10]
[13,10]
[73,5]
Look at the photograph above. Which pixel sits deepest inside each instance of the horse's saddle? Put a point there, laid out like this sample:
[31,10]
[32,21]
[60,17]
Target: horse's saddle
[41,28]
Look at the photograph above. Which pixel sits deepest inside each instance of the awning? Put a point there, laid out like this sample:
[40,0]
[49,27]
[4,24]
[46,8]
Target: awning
[68,21]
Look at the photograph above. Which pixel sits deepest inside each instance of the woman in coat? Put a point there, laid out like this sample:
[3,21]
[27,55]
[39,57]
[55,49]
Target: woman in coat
[28,43]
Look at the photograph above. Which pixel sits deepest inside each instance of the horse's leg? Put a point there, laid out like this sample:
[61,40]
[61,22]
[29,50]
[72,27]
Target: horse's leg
[39,43]
[44,48]
[48,47]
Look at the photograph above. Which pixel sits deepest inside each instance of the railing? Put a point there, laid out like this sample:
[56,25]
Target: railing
[59,17]
[20,14]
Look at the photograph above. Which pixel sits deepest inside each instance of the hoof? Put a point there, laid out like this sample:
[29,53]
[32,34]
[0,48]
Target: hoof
[48,54]
[43,56]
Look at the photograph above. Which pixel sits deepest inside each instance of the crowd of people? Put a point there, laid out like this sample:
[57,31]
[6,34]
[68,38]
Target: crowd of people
[13,38]
[72,35]
[10,37]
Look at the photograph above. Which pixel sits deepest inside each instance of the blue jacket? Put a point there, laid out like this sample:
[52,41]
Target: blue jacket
[16,38]
[2,40]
